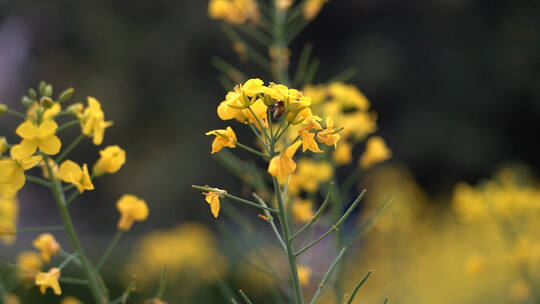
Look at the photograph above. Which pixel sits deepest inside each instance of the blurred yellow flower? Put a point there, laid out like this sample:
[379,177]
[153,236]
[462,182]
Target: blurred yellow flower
[48,113]
[7,229]
[3,145]
[348,96]
[29,264]
[282,165]
[302,210]
[520,291]
[154,301]
[93,121]
[304,275]
[343,154]
[224,138]
[70,300]
[47,244]
[328,135]
[475,264]
[49,279]
[212,198]
[11,299]
[308,142]
[309,175]
[131,209]
[312,8]
[112,158]
[234,11]
[12,177]
[72,173]
[376,152]
[54,168]
[42,137]
[9,210]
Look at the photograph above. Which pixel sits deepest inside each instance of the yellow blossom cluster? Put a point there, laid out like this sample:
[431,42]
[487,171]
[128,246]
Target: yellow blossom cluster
[234,11]
[190,252]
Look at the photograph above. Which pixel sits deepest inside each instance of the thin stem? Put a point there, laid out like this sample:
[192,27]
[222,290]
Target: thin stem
[252,150]
[232,197]
[66,254]
[40,228]
[67,125]
[256,132]
[69,148]
[259,36]
[302,64]
[16,113]
[271,221]
[125,295]
[336,226]
[68,259]
[317,214]
[162,282]
[61,204]
[73,281]
[37,180]
[260,124]
[287,235]
[246,299]
[327,275]
[358,286]
[109,249]
[72,197]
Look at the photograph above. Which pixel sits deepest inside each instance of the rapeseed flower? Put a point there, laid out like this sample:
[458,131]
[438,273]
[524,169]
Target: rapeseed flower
[49,279]
[212,198]
[282,165]
[12,169]
[224,138]
[234,11]
[72,173]
[40,136]
[304,275]
[29,264]
[48,113]
[131,209]
[343,154]
[309,175]
[111,160]
[376,152]
[302,210]
[47,245]
[7,228]
[329,135]
[93,121]
[308,142]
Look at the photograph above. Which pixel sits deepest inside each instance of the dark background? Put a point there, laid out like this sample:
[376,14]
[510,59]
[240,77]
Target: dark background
[455,84]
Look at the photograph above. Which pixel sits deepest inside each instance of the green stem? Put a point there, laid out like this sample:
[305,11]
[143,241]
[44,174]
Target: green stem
[244,296]
[317,214]
[67,125]
[68,260]
[271,221]
[252,150]
[327,275]
[69,148]
[38,180]
[110,249]
[287,236]
[64,213]
[358,286]
[162,282]
[232,197]
[260,124]
[40,228]
[73,281]
[16,113]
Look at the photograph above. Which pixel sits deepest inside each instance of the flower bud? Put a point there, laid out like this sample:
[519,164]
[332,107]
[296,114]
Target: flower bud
[65,95]
[3,145]
[32,93]
[46,102]
[41,87]
[3,108]
[75,108]
[27,101]
[48,90]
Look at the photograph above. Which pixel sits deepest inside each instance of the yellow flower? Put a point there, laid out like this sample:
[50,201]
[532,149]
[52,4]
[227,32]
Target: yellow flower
[70,300]
[302,210]
[308,142]
[47,244]
[29,263]
[309,175]
[376,152]
[304,275]
[131,209]
[224,138]
[42,137]
[312,8]
[7,228]
[3,145]
[72,173]
[348,96]
[54,168]
[327,135]
[343,154]
[276,91]
[49,279]
[212,198]
[12,177]
[282,165]
[234,11]
[47,114]
[11,299]
[237,102]
[93,121]
[111,160]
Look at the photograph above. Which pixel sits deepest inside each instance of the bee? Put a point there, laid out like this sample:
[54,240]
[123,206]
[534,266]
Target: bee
[277,109]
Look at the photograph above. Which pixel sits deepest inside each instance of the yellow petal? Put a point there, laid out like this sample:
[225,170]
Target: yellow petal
[28,147]
[27,130]
[47,128]
[70,171]
[31,162]
[50,145]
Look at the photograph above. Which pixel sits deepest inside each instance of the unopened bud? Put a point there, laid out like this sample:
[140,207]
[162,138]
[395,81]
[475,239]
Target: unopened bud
[32,93]
[27,101]
[66,95]
[48,90]
[3,145]
[41,87]
[46,102]
[75,108]
[3,108]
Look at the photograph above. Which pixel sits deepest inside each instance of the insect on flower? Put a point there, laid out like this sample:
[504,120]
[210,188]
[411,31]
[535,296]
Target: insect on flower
[277,109]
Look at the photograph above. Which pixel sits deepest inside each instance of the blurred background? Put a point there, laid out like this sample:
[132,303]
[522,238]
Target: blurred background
[455,83]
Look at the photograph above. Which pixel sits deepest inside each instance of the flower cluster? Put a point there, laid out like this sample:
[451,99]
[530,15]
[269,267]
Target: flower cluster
[234,11]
